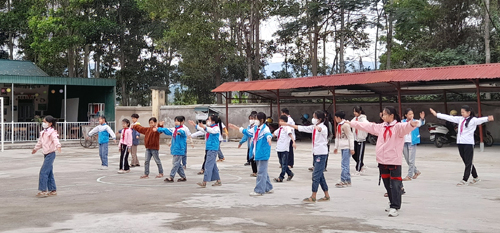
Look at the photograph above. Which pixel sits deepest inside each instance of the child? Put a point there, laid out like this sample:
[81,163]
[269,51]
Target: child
[104,132]
[359,141]
[49,143]
[467,124]
[291,157]
[284,135]
[389,151]
[345,142]
[252,118]
[260,151]
[197,134]
[152,144]
[124,146]
[177,148]
[319,133]
[410,147]
[135,142]
[213,130]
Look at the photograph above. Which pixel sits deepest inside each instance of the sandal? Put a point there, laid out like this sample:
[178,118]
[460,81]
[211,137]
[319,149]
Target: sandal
[201,173]
[217,183]
[386,195]
[289,178]
[169,179]
[278,180]
[159,175]
[311,169]
[341,184]
[42,194]
[202,184]
[309,200]
[53,193]
[144,176]
[324,199]
[182,179]
[253,175]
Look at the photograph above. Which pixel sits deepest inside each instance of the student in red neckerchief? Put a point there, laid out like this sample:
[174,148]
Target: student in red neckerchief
[389,152]
[467,124]
[284,135]
[319,133]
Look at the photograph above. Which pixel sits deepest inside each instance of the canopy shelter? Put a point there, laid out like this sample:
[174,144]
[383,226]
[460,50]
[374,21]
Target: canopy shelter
[418,81]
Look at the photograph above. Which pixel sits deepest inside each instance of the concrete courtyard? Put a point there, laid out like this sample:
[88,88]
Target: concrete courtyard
[92,200]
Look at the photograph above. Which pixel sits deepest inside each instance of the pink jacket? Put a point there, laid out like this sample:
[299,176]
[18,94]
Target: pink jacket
[126,137]
[48,141]
[389,151]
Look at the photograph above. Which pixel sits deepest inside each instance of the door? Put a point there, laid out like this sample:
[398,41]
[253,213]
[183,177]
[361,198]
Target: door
[25,110]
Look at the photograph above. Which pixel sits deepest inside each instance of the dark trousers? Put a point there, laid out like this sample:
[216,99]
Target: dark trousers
[467,154]
[284,165]
[359,154]
[204,161]
[391,175]
[248,154]
[252,162]
[290,155]
[124,158]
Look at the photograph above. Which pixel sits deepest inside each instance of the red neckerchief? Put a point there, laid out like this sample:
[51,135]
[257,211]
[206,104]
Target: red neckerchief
[462,126]
[339,128]
[388,130]
[123,134]
[314,136]
[279,132]
[208,134]
[356,129]
[256,136]
[175,131]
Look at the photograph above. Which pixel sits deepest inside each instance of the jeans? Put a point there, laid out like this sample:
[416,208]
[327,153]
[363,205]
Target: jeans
[103,153]
[46,180]
[345,175]
[263,184]
[184,159]
[318,178]
[219,153]
[409,152]
[391,175]
[467,154]
[284,165]
[177,167]
[124,158]
[211,170]
[152,153]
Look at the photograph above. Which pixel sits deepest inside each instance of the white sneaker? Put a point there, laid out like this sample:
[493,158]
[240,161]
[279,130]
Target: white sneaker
[254,194]
[357,174]
[474,181]
[270,191]
[462,183]
[393,212]
[103,168]
[121,172]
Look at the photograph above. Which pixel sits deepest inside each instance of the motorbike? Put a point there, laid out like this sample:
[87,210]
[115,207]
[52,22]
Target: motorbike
[372,139]
[447,134]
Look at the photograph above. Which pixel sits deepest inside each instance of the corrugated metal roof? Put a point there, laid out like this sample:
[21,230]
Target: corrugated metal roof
[40,80]
[481,71]
[20,68]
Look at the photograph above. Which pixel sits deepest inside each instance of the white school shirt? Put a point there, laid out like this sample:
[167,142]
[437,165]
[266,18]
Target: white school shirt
[283,142]
[465,135]
[220,135]
[320,140]
[291,122]
[186,129]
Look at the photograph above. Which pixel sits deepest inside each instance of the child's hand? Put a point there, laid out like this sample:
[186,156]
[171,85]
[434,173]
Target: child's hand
[138,137]
[120,149]
[239,146]
[269,141]
[294,145]
[162,123]
[191,123]
[178,133]
[170,144]
[155,129]
[491,118]
[317,128]
[114,140]
[192,145]
[414,123]
[33,151]
[433,112]
[233,126]
[59,150]
[129,150]
[336,151]
[352,152]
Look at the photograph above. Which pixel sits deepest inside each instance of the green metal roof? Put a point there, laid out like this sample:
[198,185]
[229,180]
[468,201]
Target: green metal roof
[57,81]
[23,68]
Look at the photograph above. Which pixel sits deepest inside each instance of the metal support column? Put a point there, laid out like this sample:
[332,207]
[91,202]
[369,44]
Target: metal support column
[12,114]
[399,99]
[479,114]
[66,113]
[445,102]
[278,101]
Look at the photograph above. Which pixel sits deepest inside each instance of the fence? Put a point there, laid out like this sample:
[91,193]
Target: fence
[29,131]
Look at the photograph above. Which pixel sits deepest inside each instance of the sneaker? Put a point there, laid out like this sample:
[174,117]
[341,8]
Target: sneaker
[311,169]
[393,212]
[407,178]
[103,168]
[474,181]
[247,164]
[270,192]
[253,175]
[462,183]
[357,174]
[254,194]
[348,184]
[121,172]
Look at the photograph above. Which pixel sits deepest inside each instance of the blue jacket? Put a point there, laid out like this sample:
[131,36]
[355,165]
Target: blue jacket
[262,150]
[212,141]
[247,139]
[135,134]
[104,132]
[415,134]
[179,142]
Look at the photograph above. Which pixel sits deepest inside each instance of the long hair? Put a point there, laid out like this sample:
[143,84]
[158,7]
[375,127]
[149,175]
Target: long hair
[392,111]
[261,117]
[126,121]
[472,114]
[407,111]
[51,119]
[359,109]
[215,119]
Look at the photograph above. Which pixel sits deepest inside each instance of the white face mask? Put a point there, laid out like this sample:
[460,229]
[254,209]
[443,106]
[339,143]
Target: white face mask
[314,121]
[45,125]
[209,123]
[256,122]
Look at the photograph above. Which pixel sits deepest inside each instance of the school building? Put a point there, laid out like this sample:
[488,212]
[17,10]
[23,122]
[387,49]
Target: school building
[30,94]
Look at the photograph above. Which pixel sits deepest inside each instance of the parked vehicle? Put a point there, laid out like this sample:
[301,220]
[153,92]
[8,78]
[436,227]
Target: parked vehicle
[442,135]
[372,139]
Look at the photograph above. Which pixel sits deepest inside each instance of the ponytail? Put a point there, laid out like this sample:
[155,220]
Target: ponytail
[215,119]
[472,114]
[392,111]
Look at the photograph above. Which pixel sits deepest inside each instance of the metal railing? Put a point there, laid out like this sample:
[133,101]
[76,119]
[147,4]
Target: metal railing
[30,131]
